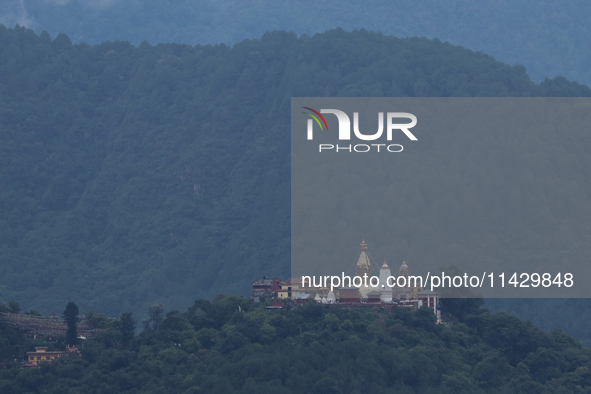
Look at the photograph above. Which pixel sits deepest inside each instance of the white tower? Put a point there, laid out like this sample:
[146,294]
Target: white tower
[330,298]
[384,288]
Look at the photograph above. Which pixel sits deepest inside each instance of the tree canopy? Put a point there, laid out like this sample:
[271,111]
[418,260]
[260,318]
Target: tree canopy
[547,37]
[232,345]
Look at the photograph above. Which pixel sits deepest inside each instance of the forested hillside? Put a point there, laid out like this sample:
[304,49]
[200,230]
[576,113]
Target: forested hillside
[232,346]
[549,38]
[136,175]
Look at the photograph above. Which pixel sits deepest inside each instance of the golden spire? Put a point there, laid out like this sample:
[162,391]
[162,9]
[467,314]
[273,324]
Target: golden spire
[403,271]
[363,244]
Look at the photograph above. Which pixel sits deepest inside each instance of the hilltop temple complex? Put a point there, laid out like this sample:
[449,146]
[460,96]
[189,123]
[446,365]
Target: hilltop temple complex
[387,293]
[405,293]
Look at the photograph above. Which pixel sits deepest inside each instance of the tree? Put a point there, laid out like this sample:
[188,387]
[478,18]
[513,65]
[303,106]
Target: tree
[14,307]
[71,318]
[155,313]
[127,328]
[100,321]
[326,386]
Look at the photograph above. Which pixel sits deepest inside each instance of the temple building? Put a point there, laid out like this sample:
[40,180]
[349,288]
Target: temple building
[388,294]
[348,292]
[363,267]
[41,354]
[363,262]
[407,292]
[385,290]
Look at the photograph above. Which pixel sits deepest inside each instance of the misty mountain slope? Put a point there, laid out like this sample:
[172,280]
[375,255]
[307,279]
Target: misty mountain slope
[549,38]
[135,175]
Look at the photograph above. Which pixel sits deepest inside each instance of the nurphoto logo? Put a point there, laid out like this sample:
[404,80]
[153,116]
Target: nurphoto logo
[392,125]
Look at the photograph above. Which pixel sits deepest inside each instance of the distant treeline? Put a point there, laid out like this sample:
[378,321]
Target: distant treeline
[549,38]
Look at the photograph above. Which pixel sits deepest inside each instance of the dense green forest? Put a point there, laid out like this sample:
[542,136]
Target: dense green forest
[159,174]
[549,38]
[231,345]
